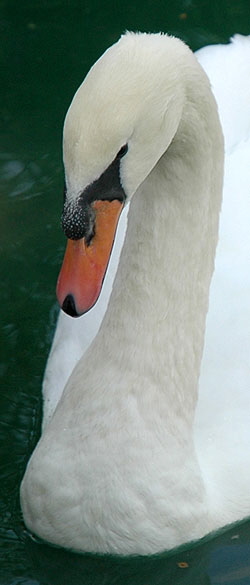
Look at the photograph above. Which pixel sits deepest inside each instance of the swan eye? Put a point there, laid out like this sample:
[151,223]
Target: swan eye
[123,150]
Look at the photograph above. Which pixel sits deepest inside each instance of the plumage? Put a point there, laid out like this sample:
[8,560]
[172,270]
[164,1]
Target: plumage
[128,464]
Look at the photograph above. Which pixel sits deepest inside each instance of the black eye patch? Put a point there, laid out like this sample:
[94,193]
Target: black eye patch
[78,218]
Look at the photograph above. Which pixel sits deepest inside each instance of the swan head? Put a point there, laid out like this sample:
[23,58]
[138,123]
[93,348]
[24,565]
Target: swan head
[121,120]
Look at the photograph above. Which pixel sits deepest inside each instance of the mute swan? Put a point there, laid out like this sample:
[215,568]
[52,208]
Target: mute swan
[124,466]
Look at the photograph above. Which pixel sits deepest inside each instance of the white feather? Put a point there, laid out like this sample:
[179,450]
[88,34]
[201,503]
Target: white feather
[125,465]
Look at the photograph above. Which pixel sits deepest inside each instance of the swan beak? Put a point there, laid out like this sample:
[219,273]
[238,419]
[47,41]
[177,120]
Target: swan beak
[84,266]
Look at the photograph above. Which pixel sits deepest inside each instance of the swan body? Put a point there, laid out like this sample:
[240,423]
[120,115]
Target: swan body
[128,462]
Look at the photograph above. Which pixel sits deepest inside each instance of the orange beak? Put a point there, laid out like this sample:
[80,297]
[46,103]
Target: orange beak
[84,266]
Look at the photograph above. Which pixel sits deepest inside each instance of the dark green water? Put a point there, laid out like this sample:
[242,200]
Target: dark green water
[46,49]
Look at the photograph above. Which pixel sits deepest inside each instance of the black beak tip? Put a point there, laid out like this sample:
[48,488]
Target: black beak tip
[69,307]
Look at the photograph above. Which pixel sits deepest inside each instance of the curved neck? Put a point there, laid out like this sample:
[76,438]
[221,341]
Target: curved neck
[157,310]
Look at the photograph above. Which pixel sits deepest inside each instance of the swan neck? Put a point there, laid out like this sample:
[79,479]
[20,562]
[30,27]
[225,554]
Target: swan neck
[155,320]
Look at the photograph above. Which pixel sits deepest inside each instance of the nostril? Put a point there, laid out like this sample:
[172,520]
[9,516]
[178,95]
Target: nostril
[69,307]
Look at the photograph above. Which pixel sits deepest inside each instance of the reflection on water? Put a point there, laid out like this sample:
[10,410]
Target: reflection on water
[11,168]
[231,565]
[223,559]
[46,49]
[26,179]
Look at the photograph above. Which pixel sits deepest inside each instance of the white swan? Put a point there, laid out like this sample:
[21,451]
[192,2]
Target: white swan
[121,467]
[228,70]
